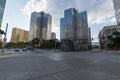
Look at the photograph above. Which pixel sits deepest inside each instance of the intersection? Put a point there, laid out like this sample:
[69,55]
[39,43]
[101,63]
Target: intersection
[58,65]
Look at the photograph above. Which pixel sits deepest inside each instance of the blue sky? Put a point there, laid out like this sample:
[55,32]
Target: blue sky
[17,13]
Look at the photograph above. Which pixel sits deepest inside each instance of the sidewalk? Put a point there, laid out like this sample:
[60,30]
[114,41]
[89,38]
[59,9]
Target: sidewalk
[7,53]
[3,55]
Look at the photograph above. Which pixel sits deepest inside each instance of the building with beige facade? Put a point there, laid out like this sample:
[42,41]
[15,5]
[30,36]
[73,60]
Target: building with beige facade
[105,34]
[19,35]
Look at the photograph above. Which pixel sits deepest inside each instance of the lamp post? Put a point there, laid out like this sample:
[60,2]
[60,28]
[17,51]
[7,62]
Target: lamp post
[55,42]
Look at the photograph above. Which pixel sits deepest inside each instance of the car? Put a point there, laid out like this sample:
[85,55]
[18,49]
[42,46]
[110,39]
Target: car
[24,49]
[17,50]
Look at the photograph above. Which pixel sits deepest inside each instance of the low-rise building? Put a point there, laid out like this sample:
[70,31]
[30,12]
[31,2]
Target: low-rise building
[19,35]
[105,33]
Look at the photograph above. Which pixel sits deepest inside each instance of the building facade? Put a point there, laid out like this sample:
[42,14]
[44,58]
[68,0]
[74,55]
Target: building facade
[19,35]
[2,7]
[40,26]
[74,27]
[117,10]
[105,34]
[53,35]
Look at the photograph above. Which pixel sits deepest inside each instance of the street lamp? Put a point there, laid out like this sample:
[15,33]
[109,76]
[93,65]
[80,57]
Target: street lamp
[55,42]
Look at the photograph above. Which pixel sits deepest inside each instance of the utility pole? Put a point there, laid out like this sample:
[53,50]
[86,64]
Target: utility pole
[55,42]
[4,39]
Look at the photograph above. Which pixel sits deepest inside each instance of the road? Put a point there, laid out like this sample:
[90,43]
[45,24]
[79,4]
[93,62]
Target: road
[51,65]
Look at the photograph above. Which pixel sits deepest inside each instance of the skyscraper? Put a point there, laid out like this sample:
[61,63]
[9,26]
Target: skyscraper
[40,26]
[74,28]
[117,10]
[2,7]
[53,35]
[19,35]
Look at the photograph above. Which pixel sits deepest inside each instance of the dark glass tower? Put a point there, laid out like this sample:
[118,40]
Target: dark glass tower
[2,7]
[40,26]
[74,28]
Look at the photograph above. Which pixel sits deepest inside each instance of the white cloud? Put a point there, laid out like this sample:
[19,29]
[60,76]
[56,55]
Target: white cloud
[97,10]
[34,5]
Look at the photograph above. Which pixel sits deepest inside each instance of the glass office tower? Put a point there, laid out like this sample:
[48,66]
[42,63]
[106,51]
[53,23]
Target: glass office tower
[40,26]
[117,10]
[2,7]
[74,27]
[33,25]
[81,27]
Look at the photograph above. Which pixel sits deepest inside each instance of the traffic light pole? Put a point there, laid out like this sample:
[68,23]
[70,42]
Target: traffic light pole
[4,40]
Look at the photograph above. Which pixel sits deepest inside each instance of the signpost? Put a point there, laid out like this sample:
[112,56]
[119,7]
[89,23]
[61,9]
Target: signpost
[4,39]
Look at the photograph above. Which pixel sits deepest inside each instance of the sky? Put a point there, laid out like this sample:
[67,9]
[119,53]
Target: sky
[18,12]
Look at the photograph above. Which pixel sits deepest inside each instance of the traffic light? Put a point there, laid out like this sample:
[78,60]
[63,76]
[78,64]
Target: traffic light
[1,31]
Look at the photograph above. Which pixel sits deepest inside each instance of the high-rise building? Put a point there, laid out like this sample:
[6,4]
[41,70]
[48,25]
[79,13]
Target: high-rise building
[19,35]
[117,10]
[2,7]
[74,28]
[89,39]
[53,35]
[40,26]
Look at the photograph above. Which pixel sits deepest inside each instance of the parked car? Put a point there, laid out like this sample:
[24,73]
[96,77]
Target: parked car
[17,50]
[24,49]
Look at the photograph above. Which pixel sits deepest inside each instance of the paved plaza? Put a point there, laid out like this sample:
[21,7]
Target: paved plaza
[58,65]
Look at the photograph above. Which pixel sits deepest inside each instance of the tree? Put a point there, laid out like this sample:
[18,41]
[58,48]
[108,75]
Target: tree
[10,45]
[0,44]
[20,44]
[50,43]
[110,45]
[36,42]
[115,40]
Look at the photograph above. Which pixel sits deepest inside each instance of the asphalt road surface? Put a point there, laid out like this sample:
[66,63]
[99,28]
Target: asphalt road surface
[51,65]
